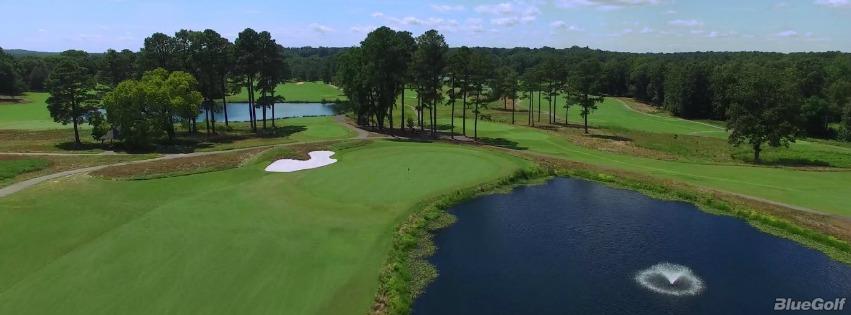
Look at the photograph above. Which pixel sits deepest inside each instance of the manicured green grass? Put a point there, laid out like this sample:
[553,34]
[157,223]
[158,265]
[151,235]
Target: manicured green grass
[32,115]
[239,241]
[826,191]
[307,92]
[614,113]
[9,168]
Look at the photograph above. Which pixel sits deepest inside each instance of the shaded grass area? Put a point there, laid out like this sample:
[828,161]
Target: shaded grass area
[239,135]
[300,92]
[237,241]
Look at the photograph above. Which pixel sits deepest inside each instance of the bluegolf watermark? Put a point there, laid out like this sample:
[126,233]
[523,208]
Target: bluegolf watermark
[818,304]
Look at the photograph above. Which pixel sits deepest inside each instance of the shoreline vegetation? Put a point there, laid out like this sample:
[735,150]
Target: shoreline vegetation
[407,271]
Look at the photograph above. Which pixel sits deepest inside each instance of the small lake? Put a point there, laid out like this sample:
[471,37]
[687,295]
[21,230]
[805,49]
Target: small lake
[577,247]
[240,111]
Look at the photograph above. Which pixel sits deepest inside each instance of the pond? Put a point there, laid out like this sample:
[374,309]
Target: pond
[578,247]
[240,111]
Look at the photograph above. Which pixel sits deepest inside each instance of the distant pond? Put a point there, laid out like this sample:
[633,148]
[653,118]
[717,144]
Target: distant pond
[240,111]
[578,247]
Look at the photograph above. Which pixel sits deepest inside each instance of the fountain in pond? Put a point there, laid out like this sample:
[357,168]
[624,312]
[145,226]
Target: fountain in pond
[671,279]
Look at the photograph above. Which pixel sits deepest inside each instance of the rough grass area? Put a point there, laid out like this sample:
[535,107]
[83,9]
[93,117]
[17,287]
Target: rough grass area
[179,166]
[300,92]
[709,149]
[55,164]
[50,140]
[238,135]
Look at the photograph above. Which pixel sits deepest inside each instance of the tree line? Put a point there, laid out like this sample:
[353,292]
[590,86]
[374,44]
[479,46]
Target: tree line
[169,81]
[767,99]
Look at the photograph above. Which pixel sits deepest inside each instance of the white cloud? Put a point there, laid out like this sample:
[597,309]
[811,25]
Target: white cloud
[319,28]
[646,30]
[447,7]
[834,3]
[510,13]
[562,25]
[787,33]
[605,5]
[440,24]
[670,12]
[685,23]
[377,14]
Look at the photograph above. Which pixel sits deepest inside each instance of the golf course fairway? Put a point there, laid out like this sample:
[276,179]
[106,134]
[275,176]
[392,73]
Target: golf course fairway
[824,191]
[239,241]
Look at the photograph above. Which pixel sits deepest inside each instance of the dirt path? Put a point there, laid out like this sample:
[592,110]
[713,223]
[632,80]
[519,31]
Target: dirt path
[361,134]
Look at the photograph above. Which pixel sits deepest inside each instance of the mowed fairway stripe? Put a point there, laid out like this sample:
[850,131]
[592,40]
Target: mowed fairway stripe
[241,241]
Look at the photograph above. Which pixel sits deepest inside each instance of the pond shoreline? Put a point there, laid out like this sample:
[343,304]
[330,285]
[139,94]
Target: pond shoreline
[407,270]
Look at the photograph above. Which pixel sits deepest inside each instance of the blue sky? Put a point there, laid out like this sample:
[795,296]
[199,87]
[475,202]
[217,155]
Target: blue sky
[621,25]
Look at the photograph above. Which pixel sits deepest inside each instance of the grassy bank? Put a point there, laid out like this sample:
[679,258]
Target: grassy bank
[407,272]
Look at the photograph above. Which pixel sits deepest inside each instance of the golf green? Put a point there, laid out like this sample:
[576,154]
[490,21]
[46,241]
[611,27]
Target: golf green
[239,241]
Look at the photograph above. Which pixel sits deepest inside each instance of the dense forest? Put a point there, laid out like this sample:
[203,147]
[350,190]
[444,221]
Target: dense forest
[697,85]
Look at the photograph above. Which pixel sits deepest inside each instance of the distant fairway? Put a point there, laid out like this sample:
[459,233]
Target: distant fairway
[32,115]
[308,92]
[824,191]
[239,241]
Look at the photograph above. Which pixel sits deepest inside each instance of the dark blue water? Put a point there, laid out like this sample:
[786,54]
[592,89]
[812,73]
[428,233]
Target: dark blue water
[574,247]
[240,111]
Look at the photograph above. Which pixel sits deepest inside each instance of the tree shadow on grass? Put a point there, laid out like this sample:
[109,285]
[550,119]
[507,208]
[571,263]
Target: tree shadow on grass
[611,137]
[503,143]
[85,146]
[411,140]
[793,162]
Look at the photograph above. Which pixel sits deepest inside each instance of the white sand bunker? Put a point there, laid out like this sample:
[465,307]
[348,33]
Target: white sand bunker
[317,159]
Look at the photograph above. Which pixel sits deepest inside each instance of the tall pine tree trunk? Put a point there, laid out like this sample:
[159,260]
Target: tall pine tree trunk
[74,113]
[539,106]
[403,107]
[513,105]
[273,109]
[263,96]
[225,101]
[464,111]
[476,119]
